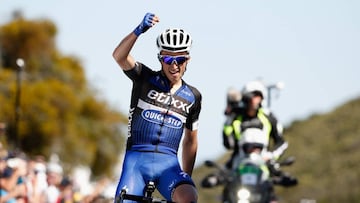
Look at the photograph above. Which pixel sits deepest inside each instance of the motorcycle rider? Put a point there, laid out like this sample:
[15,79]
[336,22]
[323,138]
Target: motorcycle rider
[245,113]
[249,114]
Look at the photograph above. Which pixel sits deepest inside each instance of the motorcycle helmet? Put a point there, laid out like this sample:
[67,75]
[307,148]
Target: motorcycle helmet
[256,87]
[253,88]
[174,40]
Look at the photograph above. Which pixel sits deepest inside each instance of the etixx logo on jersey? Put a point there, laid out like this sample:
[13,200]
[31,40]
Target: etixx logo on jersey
[155,116]
[169,100]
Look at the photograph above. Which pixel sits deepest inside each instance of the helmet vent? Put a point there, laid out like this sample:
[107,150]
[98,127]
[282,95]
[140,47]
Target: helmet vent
[181,38]
[168,38]
[174,38]
[187,39]
[162,39]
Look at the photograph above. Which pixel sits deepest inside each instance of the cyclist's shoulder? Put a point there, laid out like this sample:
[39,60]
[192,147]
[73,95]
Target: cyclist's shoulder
[192,89]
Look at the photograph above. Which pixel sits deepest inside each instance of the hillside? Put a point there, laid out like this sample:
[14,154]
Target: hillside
[327,151]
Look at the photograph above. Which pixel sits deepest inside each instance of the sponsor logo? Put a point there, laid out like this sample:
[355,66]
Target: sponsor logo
[161,118]
[184,175]
[171,186]
[169,100]
[131,112]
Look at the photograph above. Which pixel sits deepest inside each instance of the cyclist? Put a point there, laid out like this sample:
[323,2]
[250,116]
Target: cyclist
[162,107]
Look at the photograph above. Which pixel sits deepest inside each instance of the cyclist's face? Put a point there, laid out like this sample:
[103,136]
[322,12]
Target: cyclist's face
[175,70]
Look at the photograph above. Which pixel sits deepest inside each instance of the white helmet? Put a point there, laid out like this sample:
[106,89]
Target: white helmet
[174,40]
[255,86]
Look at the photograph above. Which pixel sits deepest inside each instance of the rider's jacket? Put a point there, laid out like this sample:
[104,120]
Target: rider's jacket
[242,128]
[157,118]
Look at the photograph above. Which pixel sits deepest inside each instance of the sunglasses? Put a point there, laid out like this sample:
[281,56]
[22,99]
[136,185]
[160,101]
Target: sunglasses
[171,59]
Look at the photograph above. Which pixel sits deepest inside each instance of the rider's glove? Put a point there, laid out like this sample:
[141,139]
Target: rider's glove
[267,156]
[145,24]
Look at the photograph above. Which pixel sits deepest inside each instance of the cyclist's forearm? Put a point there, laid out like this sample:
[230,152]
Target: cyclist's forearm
[189,151]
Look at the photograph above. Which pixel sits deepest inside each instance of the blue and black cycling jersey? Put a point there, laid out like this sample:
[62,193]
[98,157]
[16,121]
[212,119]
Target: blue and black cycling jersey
[157,118]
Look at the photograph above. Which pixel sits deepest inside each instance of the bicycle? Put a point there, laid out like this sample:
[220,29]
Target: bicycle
[147,198]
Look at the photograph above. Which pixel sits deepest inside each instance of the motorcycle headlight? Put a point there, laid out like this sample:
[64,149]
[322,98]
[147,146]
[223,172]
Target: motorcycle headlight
[243,195]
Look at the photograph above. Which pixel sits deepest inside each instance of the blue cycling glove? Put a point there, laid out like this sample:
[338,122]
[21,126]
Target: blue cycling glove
[145,24]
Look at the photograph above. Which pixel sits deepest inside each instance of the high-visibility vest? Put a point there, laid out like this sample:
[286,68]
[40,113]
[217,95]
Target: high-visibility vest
[235,128]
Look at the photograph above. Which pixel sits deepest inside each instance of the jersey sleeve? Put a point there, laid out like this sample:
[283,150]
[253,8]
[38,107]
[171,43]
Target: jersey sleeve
[136,72]
[192,122]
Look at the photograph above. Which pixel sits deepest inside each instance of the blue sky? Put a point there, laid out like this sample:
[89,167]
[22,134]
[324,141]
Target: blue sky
[311,46]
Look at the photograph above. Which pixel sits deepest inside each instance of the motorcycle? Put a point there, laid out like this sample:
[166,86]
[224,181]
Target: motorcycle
[251,182]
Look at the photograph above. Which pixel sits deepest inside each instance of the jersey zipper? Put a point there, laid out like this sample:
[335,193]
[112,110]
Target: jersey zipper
[163,121]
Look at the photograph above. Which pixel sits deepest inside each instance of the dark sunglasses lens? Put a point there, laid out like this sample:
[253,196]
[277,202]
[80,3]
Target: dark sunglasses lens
[180,60]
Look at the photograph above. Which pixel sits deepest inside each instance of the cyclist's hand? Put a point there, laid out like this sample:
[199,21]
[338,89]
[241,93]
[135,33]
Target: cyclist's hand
[149,20]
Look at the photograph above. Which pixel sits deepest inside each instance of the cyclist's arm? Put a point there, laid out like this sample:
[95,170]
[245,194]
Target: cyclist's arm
[190,145]
[121,53]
